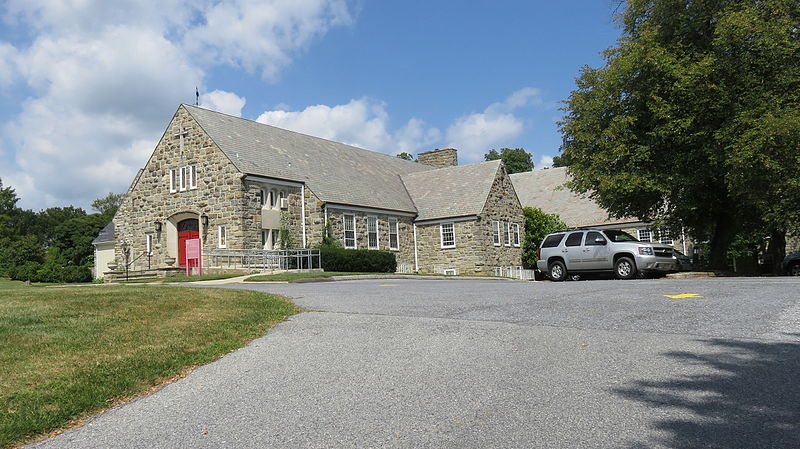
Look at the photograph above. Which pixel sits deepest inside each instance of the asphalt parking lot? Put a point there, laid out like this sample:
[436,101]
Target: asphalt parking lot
[710,363]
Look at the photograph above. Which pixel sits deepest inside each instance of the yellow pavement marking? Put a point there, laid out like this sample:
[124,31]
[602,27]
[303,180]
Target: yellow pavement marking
[684,295]
[388,285]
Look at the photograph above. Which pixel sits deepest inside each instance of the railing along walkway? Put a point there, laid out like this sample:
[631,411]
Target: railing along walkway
[264,259]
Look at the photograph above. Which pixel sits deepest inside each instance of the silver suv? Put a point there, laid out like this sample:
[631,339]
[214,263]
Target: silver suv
[596,250]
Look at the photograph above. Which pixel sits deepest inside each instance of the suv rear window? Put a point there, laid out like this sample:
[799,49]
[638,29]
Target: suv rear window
[552,240]
[574,239]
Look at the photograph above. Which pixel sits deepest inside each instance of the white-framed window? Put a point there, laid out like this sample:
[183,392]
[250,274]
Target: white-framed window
[349,230]
[450,272]
[394,241]
[666,236]
[266,241]
[515,234]
[496,232]
[149,244]
[276,238]
[644,235]
[507,234]
[272,196]
[192,170]
[184,178]
[173,180]
[222,236]
[372,232]
[447,235]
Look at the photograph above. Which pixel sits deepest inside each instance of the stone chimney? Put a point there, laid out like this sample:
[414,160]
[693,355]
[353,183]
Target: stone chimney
[446,157]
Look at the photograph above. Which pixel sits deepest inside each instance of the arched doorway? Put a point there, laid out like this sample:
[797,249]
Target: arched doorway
[188,229]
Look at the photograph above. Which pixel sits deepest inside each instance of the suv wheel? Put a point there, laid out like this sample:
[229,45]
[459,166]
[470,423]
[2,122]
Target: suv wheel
[625,268]
[794,269]
[558,271]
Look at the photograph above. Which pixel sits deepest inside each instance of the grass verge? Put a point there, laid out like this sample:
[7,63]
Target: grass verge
[205,277]
[289,277]
[67,353]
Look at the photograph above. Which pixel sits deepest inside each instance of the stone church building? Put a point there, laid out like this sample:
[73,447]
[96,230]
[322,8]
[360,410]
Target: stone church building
[219,183]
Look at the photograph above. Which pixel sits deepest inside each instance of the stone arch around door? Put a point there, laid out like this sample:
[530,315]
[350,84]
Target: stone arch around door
[182,222]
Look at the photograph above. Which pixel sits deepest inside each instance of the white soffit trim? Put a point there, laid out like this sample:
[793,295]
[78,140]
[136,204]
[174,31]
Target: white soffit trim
[346,208]
[280,182]
[447,220]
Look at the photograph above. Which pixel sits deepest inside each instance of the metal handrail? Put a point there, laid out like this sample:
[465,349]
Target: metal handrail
[274,259]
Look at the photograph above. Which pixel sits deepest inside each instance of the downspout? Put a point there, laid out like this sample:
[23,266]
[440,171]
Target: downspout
[416,256]
[303,211]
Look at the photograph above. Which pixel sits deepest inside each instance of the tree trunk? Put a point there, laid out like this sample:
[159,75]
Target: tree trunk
[723,236]
[776,250]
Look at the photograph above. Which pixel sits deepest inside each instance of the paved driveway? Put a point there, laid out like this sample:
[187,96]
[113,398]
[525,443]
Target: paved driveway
[454,364]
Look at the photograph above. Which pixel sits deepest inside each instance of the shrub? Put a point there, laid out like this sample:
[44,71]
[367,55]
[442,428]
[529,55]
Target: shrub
[28,271]
[537,225]
[357,260]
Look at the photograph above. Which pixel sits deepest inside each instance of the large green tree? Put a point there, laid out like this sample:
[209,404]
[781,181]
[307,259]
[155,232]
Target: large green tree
[537,225]
[516,160]
[694,119]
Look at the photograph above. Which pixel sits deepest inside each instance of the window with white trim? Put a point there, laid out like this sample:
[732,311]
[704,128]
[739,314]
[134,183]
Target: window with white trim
[192,169]
[496,232]
[507,234]
[222,236]
[666,236]
[372,232]
[349,230]
[173,180]
[394,242]
[272,197]
[149,244]
[515,237]
[184,178]
[276,238]
[447,234]
[644,235]
[265,239]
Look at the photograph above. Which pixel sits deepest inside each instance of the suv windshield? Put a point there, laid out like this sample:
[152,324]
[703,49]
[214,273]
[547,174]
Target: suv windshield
[619,236]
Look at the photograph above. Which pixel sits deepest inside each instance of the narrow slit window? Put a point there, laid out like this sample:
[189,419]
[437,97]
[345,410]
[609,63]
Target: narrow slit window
[496,233]
[222,236]
[515,229]
[192,176]
[507,234]
[173,180]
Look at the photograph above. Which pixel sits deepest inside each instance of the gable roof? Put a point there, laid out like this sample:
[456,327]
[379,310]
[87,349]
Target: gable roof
[452,191]
[335,172]
[545,189]
[106,234]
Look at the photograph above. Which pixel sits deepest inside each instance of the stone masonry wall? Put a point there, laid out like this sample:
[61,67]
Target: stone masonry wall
[502,205]
[219,194]
[405,233]
[467,257]
[445,157]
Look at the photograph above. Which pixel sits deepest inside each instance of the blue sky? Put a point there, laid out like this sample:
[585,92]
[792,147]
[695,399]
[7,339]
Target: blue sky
[87,87]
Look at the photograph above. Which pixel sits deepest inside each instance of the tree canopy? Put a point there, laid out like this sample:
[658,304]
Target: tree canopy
[537,225]
[109,204]
[694,119]
[406,156]
[516,160]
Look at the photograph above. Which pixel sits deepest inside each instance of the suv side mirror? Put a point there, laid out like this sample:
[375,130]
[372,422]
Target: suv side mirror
[600,241]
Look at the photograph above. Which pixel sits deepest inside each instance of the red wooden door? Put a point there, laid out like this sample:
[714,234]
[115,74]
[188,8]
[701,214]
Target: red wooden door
[187,230]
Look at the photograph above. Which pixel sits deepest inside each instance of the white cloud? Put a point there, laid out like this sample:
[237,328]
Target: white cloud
[545,162]
[363,123]
[105,77]
[225,102]
[475,134]
[260,36]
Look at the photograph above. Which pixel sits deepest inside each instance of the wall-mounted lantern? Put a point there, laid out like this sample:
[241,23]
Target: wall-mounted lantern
[157,226]
[204,220]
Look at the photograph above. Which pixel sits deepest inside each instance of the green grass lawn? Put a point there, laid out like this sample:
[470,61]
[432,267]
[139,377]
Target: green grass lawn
[294,276]
[68,352]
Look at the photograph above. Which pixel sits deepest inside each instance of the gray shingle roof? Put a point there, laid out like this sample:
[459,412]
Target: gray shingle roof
[452,191]
[335,172]
[106,234]
[545,189]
